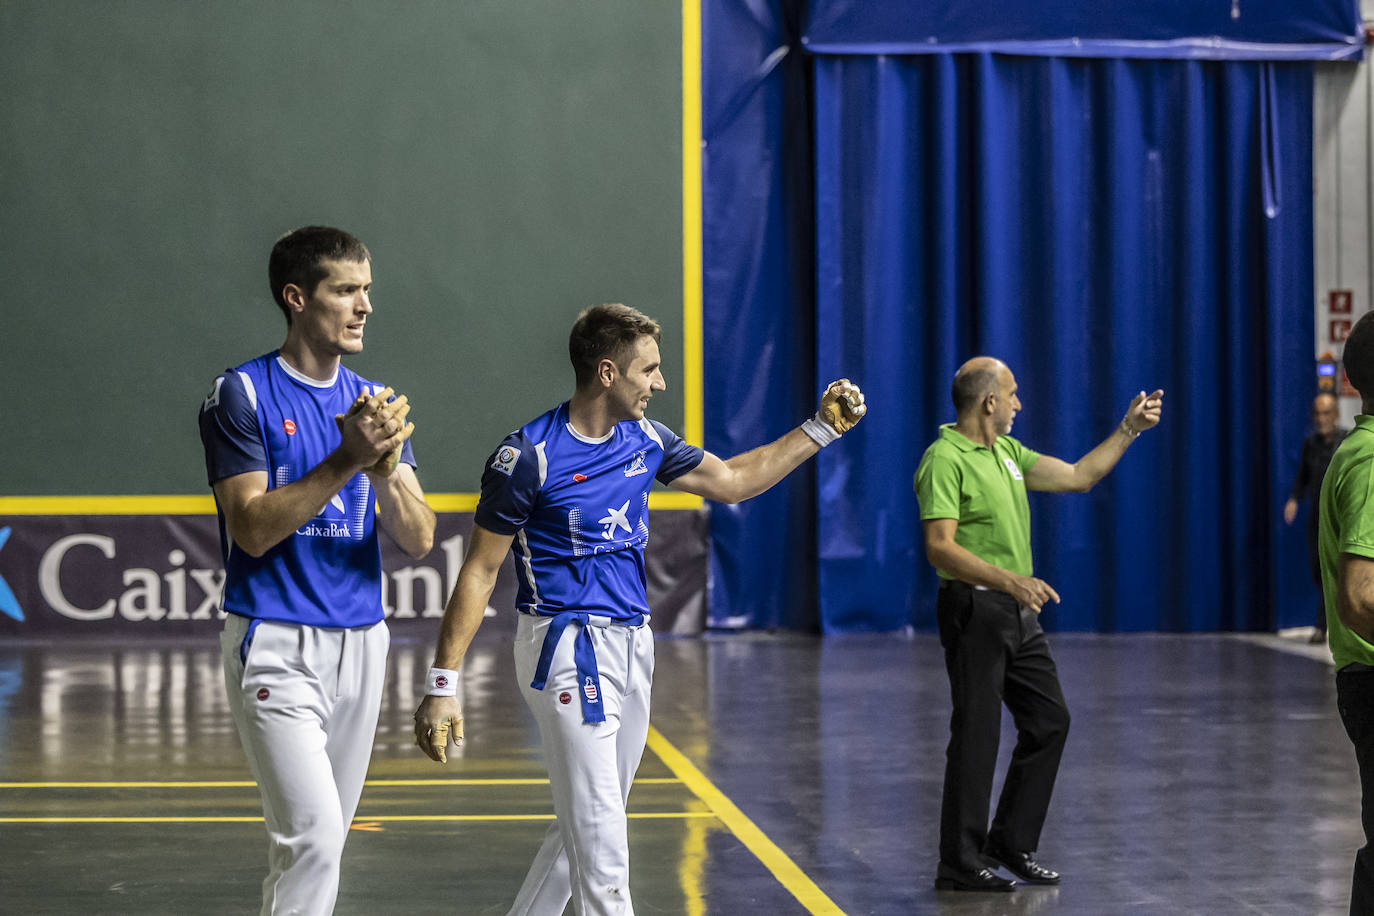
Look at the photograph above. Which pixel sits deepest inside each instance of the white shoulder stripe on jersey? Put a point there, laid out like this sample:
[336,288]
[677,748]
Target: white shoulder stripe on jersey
[543,464]
[649,430]
[248,387]
[528,567]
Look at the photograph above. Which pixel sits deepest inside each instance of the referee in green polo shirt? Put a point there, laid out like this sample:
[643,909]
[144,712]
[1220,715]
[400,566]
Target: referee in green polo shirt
[971,484]
[1345,548]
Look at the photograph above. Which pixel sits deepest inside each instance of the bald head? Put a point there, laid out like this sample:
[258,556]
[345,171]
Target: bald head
[1326,413]
[975,380]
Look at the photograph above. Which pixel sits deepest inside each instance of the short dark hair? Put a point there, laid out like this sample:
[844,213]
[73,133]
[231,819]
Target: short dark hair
[971,387]
[298,258]
[1358,356]
[608,331]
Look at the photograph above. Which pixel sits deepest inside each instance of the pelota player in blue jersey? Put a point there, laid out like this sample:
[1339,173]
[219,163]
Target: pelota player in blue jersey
[299,450]
[568,495]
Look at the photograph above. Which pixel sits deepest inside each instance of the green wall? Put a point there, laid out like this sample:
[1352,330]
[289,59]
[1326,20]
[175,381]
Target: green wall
[508,162]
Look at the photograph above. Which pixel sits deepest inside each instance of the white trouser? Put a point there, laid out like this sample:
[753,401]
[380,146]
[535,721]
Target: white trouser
[306,705]
[585,856]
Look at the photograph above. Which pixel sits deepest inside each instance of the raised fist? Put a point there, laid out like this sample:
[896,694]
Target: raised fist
[842,405]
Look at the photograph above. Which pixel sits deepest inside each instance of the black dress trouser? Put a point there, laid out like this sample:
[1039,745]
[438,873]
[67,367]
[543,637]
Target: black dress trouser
[1355,700]
[995,653]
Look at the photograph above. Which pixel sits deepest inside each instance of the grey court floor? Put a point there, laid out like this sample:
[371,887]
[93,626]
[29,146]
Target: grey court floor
[785,775]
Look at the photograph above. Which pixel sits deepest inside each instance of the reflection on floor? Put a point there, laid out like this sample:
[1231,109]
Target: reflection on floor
[1204,775]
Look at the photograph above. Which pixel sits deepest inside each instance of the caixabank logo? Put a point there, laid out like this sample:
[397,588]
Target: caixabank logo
[126,574]
[9,605]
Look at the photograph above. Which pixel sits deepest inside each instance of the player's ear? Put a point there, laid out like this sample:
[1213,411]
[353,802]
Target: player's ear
[607,372]
[294,297]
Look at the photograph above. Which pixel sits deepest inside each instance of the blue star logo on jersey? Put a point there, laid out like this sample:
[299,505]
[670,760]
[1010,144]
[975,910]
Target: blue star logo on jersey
[618,518]
[9,605]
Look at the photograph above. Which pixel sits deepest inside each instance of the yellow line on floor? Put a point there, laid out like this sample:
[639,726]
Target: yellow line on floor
[755,840]
[647,815]
[249,784]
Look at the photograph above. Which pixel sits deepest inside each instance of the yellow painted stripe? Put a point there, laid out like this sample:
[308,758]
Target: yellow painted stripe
[107,505]
[691,223]
[773,858]
[452,502]
[495,818]
[249,784]
[205,505]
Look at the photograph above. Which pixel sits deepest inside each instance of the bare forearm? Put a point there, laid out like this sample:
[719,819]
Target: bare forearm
[463,616]
[1095,465]
[274,515]
[759,469]
[404,514]
[1355,594]
[968,567]
[1358,615]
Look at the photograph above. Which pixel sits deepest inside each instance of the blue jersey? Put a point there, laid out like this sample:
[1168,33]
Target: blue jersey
[579,510]
[266,416]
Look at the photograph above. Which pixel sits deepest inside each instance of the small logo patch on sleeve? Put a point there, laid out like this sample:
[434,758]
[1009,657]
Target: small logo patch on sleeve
[212,399]
[505,460]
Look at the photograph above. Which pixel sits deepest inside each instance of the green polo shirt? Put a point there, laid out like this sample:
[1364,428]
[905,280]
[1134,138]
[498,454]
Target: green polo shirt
[1346,525]
[984,490]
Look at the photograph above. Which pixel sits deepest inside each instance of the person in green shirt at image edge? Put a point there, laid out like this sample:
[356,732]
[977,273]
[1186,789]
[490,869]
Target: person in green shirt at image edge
[1345,546]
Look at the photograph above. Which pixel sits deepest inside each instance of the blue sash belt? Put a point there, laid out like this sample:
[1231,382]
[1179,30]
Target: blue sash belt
[584,657]
[248,639]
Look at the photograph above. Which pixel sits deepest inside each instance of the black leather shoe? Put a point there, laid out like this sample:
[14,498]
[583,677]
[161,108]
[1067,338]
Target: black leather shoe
[956,879]
[1022,865]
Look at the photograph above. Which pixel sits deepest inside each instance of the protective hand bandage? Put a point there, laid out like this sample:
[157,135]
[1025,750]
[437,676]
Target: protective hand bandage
[842,405]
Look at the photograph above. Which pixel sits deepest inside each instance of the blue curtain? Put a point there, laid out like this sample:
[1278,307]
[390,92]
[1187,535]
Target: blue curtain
[758,316]
[1105,227]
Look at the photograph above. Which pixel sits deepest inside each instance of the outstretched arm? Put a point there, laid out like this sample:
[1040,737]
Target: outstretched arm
[1050,473]
[747,475]
[439,718]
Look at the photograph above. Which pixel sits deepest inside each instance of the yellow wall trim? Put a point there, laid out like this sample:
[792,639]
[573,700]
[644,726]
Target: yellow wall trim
[205,505]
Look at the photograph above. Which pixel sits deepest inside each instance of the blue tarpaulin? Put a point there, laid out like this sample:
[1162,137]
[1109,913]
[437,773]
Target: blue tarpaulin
[1216,29]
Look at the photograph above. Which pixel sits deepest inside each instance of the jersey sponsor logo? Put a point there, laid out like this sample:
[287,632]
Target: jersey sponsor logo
[565,698]
[1011,466]
[589,690]
[318,529]
[212,399]
[615,520]
[263,693]
[290,426]
[505,460]
[578,478]
[637,466]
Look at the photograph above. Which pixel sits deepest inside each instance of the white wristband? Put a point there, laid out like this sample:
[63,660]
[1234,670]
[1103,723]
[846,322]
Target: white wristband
[441,682]
[819,431]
